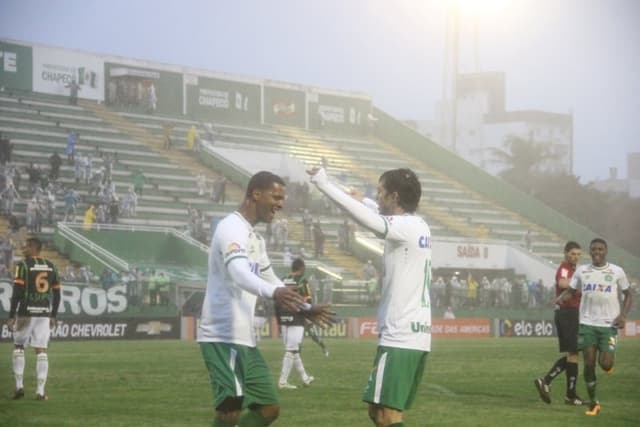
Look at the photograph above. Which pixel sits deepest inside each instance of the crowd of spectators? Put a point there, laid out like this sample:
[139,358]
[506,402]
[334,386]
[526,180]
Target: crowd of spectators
[497,292]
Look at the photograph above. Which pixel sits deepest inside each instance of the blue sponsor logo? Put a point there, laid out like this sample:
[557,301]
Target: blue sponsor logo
[424,242]
[594,287]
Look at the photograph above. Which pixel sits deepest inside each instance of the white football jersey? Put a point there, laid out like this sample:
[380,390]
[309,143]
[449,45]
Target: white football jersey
[600,303]
[228,310]
[404,315]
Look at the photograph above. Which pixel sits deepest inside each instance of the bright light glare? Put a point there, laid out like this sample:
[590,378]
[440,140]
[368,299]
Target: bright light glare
[481,7]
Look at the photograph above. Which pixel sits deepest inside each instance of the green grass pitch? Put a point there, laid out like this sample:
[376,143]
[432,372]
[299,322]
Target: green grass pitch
[473,382]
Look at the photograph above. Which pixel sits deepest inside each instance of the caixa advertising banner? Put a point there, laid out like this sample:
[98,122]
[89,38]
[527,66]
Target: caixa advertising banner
[107,328]
[55,69]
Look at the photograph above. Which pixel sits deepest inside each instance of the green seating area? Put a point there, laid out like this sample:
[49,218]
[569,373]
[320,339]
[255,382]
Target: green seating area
[38,126]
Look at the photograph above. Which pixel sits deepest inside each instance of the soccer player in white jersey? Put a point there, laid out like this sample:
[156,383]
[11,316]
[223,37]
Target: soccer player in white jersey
[600,314]
[404,315]
[239,272]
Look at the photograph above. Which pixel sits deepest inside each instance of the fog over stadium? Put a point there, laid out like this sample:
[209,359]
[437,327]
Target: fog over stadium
[573,56]
[432,198]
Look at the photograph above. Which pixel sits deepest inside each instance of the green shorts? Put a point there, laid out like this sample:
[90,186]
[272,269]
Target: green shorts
[238,371]
[395,377]
[604,337]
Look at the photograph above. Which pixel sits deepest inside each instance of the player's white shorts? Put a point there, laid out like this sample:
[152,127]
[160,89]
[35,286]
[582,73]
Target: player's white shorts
[33,331]
[292,337]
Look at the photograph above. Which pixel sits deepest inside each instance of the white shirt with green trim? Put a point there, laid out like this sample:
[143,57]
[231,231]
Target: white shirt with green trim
[404,315]
[239,272]
[600,303]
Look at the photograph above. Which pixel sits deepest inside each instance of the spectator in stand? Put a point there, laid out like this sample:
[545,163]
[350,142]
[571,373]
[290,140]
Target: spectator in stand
[70,205]
[89,217]
[130,202]
[54,162]
[152,98]
[74,87]
[72,139]
[307,221]
[5,272]
[69,274]
[344,236]
[472,291]
[318,240]
[369,271]
[34,177]
[167,130]
[114,210]
[287,256]
[438,291]
[5,149]
[139,180]
[192,136]
[528,240]
[30,215]
[448,314]
[9,196]
[201,183]
[219,190]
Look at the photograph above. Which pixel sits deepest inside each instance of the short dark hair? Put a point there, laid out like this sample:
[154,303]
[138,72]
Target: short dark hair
[571,245]
[405,182]
[35,242]
[263,180]
[598,240]
[297,264]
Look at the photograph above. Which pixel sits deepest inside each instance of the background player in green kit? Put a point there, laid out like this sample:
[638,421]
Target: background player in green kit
[600,314]
[292,328]
[239,272]
[35,300]
[404,315]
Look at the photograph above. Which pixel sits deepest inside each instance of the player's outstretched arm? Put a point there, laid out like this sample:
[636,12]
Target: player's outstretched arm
[620,321]
[362,213]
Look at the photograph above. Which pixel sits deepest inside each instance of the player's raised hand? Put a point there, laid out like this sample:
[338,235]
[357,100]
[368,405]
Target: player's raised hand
[288,298]
[321,315]
[313,170]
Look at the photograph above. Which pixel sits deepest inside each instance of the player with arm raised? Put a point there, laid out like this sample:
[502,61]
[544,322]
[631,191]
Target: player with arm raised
[35,300]
[600,313]
[404,315]
[239,272]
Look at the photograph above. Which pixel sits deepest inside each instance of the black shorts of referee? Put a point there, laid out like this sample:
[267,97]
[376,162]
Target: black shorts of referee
[567,320]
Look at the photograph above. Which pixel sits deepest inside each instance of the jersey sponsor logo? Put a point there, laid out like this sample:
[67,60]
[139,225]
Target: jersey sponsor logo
[424,242]
[233,249]
[564,273]
[420,327]
[254,267]
[597,287]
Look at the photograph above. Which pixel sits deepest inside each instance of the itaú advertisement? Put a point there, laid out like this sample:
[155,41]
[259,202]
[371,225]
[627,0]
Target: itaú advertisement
[54,71]
[440,328]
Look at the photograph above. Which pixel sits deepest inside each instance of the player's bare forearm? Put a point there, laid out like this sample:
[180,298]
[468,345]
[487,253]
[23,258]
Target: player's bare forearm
[565,295]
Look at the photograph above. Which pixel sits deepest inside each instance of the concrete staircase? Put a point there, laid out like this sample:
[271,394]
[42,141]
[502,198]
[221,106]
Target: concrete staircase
[465,228]
[187,160]
[48,251]
[351,266]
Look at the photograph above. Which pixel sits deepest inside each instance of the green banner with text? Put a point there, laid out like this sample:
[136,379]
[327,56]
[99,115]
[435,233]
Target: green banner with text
[226,100]
[16,67]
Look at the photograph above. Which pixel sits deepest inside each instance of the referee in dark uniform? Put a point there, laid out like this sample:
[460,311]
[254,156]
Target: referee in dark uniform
[567,321]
